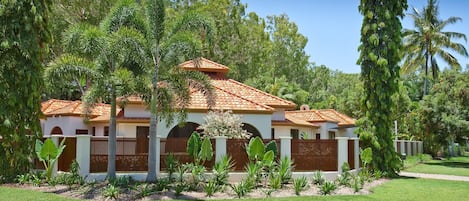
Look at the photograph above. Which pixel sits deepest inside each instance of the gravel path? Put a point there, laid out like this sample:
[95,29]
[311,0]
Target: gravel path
[434,176]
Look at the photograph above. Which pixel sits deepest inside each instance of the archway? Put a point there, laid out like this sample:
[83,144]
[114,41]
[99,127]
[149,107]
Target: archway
[56,131]
[251,129]
[183,131]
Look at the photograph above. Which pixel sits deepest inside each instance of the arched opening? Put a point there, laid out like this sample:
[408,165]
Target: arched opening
[183,131]
[251,129]
[56,131]
[176,141]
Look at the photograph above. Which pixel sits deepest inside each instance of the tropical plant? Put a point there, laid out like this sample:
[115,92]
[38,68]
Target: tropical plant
[345,177]
[211,187]
[224,123]
[171,165]
[25,34]
[145,190]
[275,181]
[327,188]
[179,188]
[366,156]
[162,184]
[285,169]
[241,189]
[221,170]
[380,55]
[318,178]
[23,178]
[428,41]
[48,153]
[300,184]
[199,149]
[357,184]
[111,192]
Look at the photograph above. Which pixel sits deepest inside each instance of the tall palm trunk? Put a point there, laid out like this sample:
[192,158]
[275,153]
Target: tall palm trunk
[151,176]
[111,163]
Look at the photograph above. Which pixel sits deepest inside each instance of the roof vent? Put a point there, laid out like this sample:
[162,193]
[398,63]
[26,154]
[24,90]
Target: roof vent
[304,107]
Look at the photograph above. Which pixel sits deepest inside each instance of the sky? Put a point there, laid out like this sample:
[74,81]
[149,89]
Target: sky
[333,26]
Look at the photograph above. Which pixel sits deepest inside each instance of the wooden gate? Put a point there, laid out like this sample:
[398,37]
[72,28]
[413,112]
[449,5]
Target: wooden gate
[310,155]
[68,154]
[351,154]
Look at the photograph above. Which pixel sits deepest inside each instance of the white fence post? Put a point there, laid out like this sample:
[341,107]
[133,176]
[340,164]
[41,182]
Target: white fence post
[342,152]
[220,147]
[285,146]
[409,148]
[356,143]
[83,152]
[402,147]
[55,139]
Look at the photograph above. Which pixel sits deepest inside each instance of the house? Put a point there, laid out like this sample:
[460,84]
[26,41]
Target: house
[263,114]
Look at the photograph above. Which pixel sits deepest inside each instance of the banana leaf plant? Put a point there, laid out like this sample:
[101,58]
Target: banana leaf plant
[48,153]
[200,149]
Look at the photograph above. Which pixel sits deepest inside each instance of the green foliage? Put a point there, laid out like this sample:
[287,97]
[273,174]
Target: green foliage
[275,182]
[111,192]
[285,169]
[345,178]
[357,183]
[318,178]
[221,170]
[162,184]
[171,165]
[145,190]
[300,184]
[211,187]
[179,188]
[199,149]
[23,178]
[124,182]
[255,149]
[272,145]
[25,34]
[380,48]
[48,154]
[327,188]
[241,189]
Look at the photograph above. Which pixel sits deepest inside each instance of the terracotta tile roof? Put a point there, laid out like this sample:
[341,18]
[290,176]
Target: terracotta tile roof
[328,115]
[73,108]
[204,65]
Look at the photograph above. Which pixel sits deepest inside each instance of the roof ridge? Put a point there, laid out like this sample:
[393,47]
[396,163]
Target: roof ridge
[257,90]
[67,102]
[226,91]
[213,62]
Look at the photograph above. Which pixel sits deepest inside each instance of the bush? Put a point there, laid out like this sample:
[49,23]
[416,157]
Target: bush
[171,164]
[241,189]
[357,183]
[111,192]
[221,170]
[145,190]
[327,188]
[162,184]
[275,182]
[318,178]
[211,187]
[300,184]
[285,168]
[124,182]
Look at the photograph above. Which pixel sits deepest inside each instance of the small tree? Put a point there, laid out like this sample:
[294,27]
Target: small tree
[219,123]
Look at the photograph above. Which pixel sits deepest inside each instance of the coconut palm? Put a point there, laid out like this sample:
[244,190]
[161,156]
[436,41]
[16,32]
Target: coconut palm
[428,41]
[169,91]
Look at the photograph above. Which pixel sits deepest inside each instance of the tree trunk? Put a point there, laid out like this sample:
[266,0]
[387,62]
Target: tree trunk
[151,176]
[426,76]
[111,160]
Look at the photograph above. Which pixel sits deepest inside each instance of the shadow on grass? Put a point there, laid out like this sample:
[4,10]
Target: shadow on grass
[405,177]
[454,164]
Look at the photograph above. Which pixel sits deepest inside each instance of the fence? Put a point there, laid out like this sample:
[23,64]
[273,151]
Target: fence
[177,147]
[314,155]
[408,147]
[236,149]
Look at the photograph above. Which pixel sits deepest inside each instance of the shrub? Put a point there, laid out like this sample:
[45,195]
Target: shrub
[171,165]
[357,183]
[145,190]
[179,188]
[124,182]
[241,189]
[275,182]
[23,178]
[318,178]
[300,184]
[111,192]
[327,188]
[219,123]
[211,187]
[162,184]
[221,170]
[285,168]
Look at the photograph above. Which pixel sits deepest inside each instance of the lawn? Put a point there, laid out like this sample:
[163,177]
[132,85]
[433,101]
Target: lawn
[397,189]
[458,166]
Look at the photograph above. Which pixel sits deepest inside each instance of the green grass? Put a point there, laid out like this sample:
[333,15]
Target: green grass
[397,189]
[13,194]
[458,166]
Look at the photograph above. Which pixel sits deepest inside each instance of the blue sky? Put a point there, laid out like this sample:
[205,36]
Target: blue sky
[333,26]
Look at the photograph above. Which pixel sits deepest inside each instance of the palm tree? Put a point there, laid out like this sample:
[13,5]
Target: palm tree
[428,41]
[113,55]
[170,86]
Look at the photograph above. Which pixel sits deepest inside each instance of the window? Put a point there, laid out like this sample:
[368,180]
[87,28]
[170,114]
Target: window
[318,136]
[106,130]
[294,133]
[272,133]
[81,132]
[331,135]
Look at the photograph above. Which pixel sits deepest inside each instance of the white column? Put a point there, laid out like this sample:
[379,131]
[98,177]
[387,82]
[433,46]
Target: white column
[285,146]
[395,145]
[356,143]
[220,147]
[83,153]
[158,144]
[55,139]
[342,152]
[402,147]
[409,148]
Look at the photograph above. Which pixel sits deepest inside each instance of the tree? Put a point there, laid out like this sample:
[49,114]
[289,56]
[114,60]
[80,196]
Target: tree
[428,41]
[25,36]
[169,85]
[379,58]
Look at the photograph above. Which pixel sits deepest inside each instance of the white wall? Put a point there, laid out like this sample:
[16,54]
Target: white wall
[346,132]
[278,115]
[284,131]
[129,129]
[136,110]
[68,124]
